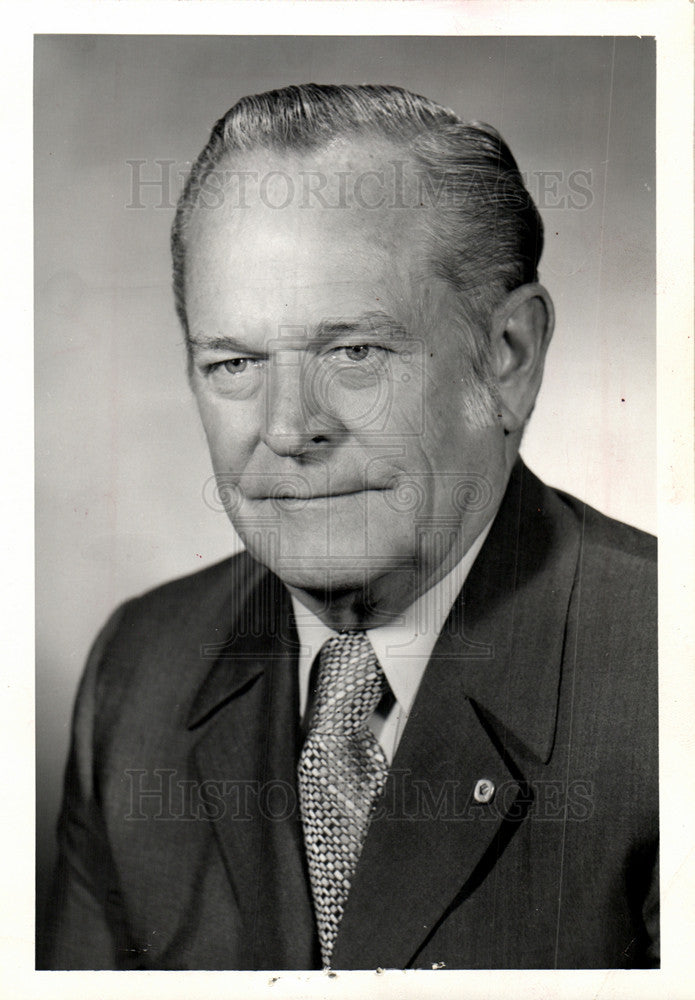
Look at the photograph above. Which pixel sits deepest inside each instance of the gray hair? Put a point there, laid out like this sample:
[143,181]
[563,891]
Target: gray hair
[487,235]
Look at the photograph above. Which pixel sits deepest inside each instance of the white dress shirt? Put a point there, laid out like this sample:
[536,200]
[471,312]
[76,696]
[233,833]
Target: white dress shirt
[403,648]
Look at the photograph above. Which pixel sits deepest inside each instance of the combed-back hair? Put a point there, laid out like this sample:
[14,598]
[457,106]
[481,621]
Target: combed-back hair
[486,236]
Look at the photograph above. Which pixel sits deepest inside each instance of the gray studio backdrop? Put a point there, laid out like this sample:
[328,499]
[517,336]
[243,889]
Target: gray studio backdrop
[121,462]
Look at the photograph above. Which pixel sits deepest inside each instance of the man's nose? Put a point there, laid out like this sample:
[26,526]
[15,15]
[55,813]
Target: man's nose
[295,422]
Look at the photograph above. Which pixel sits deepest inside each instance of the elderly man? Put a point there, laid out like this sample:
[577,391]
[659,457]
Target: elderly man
[414,723]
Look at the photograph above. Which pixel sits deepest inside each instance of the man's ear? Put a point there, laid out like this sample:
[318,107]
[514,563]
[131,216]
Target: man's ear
[521,330]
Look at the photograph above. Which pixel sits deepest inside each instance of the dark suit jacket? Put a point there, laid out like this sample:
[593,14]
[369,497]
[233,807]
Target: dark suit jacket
[180,839]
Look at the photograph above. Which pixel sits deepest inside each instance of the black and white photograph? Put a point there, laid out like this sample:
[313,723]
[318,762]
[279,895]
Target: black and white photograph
[346,503]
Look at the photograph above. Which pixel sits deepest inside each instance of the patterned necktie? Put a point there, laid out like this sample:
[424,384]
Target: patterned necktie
[342,770]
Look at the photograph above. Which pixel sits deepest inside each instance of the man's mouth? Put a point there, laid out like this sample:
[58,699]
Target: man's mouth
[291,497]
[293,490]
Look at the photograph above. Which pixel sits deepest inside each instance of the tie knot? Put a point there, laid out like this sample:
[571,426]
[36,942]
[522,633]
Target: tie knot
[350,684]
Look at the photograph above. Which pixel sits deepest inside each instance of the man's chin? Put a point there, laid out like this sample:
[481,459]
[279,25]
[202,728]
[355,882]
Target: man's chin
[334,544]
[320,575]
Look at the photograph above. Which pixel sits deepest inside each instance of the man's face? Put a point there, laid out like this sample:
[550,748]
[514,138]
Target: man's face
[331,379]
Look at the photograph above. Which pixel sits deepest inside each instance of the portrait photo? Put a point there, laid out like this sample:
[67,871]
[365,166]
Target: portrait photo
[346,502]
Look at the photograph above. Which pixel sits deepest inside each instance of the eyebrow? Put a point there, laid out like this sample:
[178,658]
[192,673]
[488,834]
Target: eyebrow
[325,330]
[220,344]
[369,322]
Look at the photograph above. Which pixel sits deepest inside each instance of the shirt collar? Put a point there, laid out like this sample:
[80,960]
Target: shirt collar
[404,647]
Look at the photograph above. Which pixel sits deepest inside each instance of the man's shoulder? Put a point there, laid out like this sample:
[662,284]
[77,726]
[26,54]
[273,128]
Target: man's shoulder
[170,631]
[235,574]
[609,632]
[616,539]
[617,563]
[159,621]
[613,564]
[555,528]
[613,543]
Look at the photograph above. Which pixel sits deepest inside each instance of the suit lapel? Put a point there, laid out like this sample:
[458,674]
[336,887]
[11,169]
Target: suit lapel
[487,701]
[247,714]
[429,837]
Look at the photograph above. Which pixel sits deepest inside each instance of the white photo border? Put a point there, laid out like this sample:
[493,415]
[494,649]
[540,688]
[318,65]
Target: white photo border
[671,23]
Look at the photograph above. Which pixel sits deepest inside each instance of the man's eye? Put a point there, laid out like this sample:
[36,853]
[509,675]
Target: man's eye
[356,352]
[234,366]
[235,377]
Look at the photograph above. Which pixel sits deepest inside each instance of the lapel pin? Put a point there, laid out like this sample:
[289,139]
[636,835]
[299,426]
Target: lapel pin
[484,790]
